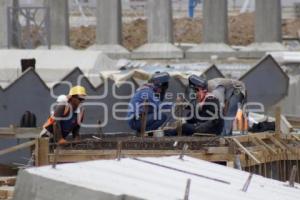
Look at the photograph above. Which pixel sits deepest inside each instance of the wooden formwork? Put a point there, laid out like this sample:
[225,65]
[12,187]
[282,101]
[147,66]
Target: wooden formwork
[268,154]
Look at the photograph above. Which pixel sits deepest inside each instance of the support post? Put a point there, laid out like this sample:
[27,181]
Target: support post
[59,23]
[109,29]
[160,33]
[215,32]
[42,152]
[268,33]
[3,23]
[277,121]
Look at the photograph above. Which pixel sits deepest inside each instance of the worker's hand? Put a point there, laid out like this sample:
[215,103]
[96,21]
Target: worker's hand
[62,141]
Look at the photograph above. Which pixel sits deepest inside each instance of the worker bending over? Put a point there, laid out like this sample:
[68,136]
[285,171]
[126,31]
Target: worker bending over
[147,102]
[232,96]
[204,110]
[67,117]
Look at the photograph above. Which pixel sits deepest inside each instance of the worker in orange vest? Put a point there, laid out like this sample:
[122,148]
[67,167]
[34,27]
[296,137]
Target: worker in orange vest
[67,117]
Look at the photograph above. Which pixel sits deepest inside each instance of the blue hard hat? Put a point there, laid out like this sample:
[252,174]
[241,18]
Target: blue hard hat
[160,78]
[196,81]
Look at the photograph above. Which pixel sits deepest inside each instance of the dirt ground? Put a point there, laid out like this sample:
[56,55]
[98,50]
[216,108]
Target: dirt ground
[241,31]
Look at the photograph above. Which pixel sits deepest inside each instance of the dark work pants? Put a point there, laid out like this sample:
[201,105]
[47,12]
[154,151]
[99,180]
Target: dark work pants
[233,104]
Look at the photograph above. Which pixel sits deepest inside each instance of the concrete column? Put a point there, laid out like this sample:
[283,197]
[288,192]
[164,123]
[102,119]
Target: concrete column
[215,21]
[109,28]
[268,32]
[160,24]
[268,21]
[215,31]
[160,32]
[3,23]
[59,23]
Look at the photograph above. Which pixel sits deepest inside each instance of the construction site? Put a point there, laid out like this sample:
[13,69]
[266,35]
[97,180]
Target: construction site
[149,99]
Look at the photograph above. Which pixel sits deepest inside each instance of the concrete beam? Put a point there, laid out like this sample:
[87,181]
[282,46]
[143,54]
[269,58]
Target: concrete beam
[215,32]
[109,29]
[59,22]
[3,23]
[160,33]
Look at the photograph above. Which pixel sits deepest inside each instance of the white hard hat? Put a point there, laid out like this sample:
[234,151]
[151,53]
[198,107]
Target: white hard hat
[62,99]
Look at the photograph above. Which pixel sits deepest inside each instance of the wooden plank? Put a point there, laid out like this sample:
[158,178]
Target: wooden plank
[246,150]
[17,147]
[285,125]
[217,150]
[282,145]
[266,145]
[4,194]
[245,138]
[13,132]
[277,120]
[254,141]
[42,152]
[294,120]
[277,143]
[295,137]
[36,152]
[230,164]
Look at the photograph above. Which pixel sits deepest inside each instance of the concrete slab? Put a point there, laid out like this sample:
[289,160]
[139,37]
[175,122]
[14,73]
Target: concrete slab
[258,50]
[114,51]
[157,51]
[55,47]
[146,178]
[39,189]
[206,50]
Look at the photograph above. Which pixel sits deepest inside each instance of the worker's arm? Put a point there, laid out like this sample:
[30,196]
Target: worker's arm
[211,110]
[57,129]
[219,93]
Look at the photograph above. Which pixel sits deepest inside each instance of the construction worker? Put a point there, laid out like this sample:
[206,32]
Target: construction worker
[192,6]
[67,116]
[147,102]
[204,109]
[232,96]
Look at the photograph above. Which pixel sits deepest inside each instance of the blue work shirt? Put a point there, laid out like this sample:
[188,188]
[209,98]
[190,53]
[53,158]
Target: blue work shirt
[68,125]
[143,95]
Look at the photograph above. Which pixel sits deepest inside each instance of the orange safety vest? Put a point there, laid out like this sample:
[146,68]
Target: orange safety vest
[241,121]
[51,120]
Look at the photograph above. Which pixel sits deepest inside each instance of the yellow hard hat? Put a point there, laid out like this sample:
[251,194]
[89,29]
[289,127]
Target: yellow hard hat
[77,90]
